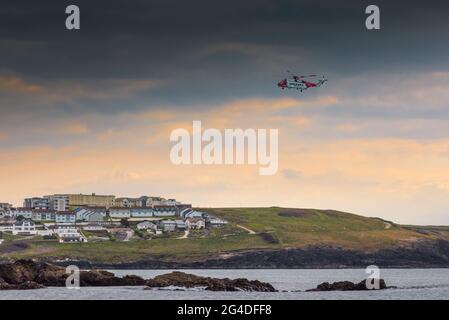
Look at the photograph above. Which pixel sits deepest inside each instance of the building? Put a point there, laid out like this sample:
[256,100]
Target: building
[190,213]
[168,225]
[4,214]
[154,201]
[5,206]
[133,202]
[164,211]
[119,212]
[141,212]
[65,217]
[123,202]
[43,215]
[184,210]
[180,224]
[195,223]
[94,227]
[25,227]
[88,200]
[69,233]
[171,202]
[36,203]
[58,202]
[144,201]
[90,214]
[26,213]
[146,225]
[216,222]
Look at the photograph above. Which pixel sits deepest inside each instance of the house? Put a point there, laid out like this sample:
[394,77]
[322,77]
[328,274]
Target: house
[43,215]
[188,212]
[142,212]
[194,214]
[171,202]
[182,207]
[65,217]
[93,227]
[168,225]
[180,224]
[119,212]
[146,225]
[68,233]
[164,211]
[25,227]
[143,201]
[5,206]
[36,203]
[216,222]
[95,216]
[26,213]
[195,223]
[3,213]
[91,214]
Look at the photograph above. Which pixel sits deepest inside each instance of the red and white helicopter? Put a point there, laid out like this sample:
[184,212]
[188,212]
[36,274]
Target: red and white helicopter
[299,82]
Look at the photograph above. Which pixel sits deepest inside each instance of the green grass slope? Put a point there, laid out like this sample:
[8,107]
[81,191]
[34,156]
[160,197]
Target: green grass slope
[248,229]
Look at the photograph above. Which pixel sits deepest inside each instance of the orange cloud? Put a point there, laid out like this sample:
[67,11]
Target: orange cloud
[18,85]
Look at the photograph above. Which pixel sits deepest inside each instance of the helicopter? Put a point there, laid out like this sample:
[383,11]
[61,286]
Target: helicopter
[299,82]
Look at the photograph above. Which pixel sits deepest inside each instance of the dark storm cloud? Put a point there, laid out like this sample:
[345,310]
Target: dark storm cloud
[204,51]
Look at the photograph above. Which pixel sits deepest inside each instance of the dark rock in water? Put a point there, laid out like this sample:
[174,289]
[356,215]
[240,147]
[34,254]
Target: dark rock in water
[27,274]
[181,279]
[29,285]
[22,286]
[347,286]
[4,285]
[101,278]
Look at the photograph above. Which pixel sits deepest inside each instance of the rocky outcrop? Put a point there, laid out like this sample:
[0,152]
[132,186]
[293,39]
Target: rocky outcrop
[347,286]
[27,274]
[181,279]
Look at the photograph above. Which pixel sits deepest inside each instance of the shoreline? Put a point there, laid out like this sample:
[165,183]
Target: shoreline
[425,255]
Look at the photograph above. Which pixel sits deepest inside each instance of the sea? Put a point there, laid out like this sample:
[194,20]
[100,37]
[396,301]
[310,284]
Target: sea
[291,284]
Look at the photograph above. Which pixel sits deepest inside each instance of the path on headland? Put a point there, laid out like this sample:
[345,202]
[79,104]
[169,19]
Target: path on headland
[246,229]
[185,235]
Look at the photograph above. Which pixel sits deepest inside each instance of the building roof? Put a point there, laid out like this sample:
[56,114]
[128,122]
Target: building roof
[21,223]
[65,212]
[168,222]
[43,211]
[194,219]
[145,223]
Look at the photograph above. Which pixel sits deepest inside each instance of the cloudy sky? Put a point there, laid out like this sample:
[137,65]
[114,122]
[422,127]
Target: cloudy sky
[92,110]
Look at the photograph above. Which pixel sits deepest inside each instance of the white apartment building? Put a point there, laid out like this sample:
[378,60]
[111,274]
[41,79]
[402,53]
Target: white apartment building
[27,213]
[119,212]
[58,202]
[25,227]
[65,217]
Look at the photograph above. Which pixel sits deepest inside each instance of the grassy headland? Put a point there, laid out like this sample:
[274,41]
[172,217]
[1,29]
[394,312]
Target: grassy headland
[274,228]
